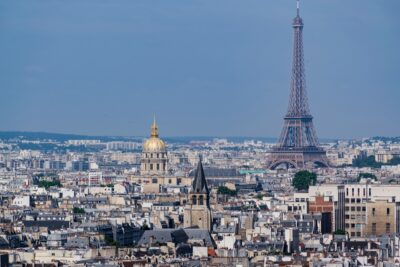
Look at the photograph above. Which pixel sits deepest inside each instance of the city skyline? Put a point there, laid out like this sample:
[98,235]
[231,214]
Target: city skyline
[145,133]
[108,72]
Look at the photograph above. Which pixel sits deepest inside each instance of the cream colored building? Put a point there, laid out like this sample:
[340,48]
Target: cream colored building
[365,207]
[380,217]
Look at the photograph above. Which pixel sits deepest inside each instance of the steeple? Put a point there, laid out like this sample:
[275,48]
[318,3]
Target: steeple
[200,182]
[197,210]
[154,128]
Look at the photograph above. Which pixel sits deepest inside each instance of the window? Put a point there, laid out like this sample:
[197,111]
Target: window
[353,225]
[363,209]
[347,208]
[373,211]
[201,200]
[352,192]
[388,228]
[388,211]
[347,191]
[353,200]
[358,208]
[353,208]
[364,192]
[346,200]
[373,230]
[194,200]
[369,191]
[158,167]
[358,200]
[151,166]
[358,191]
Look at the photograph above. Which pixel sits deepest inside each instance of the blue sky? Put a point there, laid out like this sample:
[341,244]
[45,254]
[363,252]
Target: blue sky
[205,68]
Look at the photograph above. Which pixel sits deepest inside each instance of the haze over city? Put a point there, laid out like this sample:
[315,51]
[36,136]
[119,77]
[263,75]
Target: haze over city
[205,68]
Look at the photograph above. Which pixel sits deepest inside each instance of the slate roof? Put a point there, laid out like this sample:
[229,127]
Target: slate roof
[51,225]
[200,182]
[213,172]
[176,236]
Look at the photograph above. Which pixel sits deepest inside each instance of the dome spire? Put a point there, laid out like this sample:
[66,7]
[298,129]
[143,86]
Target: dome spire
[154,128]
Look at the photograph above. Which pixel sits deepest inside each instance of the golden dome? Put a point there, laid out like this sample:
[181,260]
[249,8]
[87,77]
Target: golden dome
[154,143]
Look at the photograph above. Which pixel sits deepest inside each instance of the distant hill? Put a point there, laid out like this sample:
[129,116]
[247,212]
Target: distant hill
[40,136]
[395,139]
[61,137]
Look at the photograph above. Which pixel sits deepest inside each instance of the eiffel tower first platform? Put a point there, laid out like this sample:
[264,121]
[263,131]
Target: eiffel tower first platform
[298,145]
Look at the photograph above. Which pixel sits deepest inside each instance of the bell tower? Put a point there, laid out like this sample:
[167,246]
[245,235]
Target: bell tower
[197,211]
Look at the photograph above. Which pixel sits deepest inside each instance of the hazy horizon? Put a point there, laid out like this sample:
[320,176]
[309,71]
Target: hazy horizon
[192,137]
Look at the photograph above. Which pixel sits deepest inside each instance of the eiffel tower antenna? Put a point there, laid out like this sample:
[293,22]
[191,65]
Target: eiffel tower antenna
[298,7]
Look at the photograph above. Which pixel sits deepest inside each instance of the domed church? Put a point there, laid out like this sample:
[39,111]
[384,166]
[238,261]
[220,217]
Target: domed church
[155,175]
[154,158]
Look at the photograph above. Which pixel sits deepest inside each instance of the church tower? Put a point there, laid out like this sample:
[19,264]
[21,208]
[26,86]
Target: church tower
[154,155]
[197,211]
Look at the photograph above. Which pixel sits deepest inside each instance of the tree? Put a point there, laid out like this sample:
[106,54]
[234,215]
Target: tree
[366,175]
[77,210]
[340,232]
[366,162]
[259,196]
[303,179]
[394,161]
[223,190]
[47,184]
[145,226]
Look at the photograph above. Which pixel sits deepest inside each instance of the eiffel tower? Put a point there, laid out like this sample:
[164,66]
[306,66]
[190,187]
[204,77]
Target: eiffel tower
[298,145]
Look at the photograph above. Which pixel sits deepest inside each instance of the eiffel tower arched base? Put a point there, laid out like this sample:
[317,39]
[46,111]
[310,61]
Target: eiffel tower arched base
[297,159]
